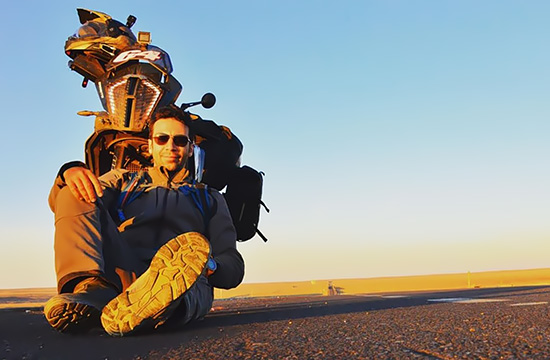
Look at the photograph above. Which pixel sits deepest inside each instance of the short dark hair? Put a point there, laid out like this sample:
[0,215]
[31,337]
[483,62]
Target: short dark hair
[171,111]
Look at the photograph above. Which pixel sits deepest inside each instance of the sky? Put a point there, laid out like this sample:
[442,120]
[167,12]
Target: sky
[397,137]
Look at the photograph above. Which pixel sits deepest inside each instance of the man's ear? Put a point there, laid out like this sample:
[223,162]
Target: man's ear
[150,145]
[191,149]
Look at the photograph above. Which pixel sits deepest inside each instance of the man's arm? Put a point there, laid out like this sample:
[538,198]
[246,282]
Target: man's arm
[223,238]
[82,183]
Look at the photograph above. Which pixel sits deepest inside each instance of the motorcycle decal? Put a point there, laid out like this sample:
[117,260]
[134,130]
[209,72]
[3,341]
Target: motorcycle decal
[150,55]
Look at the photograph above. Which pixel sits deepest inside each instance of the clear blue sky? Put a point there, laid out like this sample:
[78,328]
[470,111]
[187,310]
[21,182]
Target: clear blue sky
[397,137]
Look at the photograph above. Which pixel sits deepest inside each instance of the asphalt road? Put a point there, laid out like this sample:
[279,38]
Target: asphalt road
[502,323]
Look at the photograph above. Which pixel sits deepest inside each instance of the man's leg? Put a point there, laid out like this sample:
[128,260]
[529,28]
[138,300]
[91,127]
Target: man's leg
[195,303]
[80,310]
[154,297]
[88,251]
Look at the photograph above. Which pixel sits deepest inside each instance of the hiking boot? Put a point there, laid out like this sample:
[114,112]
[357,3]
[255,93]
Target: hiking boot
[80,310]
[152,298]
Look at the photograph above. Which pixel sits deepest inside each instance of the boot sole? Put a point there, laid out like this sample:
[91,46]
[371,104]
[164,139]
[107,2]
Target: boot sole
[173,270]
[68,315]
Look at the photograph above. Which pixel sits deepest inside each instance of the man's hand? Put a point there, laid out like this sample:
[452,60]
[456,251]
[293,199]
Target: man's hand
[83,184]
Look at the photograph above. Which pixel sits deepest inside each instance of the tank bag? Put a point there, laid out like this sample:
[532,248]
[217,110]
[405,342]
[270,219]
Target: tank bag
[244,200]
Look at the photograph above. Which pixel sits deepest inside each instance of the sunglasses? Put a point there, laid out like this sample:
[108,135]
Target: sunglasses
[179,140]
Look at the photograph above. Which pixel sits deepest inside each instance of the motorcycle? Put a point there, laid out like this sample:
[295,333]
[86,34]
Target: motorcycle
[133,78]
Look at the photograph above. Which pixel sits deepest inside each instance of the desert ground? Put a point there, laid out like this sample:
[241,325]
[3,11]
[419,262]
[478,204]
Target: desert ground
[22,298]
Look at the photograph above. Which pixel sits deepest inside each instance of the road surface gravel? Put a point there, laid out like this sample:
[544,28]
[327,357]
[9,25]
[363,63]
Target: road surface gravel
[500,323]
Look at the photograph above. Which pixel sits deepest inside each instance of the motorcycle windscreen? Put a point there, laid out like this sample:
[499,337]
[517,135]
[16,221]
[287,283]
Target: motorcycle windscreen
[152,55]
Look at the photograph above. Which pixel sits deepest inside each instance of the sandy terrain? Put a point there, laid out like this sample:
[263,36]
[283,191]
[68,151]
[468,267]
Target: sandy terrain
[507,278]
[24,298]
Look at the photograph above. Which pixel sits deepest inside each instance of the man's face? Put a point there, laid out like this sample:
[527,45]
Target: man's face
[169,155]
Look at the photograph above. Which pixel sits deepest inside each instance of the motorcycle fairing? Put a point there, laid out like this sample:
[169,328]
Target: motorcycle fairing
[132,91]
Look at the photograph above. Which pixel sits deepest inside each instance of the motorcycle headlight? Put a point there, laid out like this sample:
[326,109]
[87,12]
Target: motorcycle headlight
[130,100]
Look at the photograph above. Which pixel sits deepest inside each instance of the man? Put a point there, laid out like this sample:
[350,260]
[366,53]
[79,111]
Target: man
[139,249]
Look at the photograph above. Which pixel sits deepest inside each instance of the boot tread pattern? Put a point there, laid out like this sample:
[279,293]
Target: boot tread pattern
[173,270]
[68,315]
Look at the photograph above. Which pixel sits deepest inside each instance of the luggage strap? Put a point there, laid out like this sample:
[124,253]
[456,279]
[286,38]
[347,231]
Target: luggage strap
[199,195]
[127,194]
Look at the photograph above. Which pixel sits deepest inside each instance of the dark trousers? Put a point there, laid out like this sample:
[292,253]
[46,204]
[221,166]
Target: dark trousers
[88,243]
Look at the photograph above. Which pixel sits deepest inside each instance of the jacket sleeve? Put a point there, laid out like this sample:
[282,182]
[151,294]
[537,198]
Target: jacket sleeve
[223,239]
